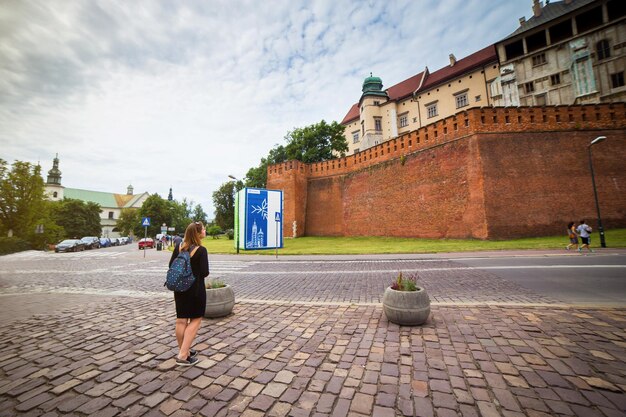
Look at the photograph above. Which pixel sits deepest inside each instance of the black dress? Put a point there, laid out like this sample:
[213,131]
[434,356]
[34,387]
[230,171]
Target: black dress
[191,304]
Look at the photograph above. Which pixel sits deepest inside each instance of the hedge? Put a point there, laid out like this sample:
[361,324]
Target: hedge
[13,244]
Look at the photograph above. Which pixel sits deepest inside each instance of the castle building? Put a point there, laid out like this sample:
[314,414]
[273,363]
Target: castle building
[424,98]
[111,204]
[568,52]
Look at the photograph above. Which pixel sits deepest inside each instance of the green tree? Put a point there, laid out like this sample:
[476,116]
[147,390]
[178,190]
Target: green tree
[21,198]
[316,143]
[129,222]
[159,212]
[224,202]
[199,215]
[78,218]
[180,215]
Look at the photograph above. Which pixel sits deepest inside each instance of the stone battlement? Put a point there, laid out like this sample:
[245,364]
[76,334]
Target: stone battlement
[465,123]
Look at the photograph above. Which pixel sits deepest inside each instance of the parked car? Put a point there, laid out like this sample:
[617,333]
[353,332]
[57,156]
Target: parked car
[70,245]
[105,242]
[91,242]
[146,242]
[114,241]
[123,240]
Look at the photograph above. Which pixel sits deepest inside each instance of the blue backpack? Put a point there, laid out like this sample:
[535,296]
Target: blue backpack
[179,276]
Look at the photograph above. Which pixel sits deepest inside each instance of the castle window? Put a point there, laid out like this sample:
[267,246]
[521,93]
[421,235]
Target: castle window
[356,150]
[541,99]
[477,98]
[355,137]
[617,79]
[603,49]
[376,103]
[529,87]
[431,110]
[110,215]
[378,124]
[539,59]
[461,100]
[403,120]
[55,194]
[555,79]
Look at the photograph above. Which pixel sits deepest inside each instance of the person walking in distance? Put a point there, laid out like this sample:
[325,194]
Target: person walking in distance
[191,304]
[584,230]
[573,236]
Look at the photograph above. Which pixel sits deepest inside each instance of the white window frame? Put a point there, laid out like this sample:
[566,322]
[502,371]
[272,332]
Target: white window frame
[461,100]
[355,136]
[403,120]
[431,110]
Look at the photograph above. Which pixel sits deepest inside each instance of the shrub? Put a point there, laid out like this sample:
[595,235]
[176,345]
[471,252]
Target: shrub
[13,244]
[231,234]
[214,231]
[405,284]
[214,283]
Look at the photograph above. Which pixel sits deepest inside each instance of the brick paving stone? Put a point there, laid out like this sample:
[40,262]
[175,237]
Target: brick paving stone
[94,405]
[262,402]
[33,402]
[423,407]
[559,407]
[66,386]
[279,409]
[341,409]
[362,403]
[213,408]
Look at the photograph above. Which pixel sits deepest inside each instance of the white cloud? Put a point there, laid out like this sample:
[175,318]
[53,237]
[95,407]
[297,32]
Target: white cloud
[162,94]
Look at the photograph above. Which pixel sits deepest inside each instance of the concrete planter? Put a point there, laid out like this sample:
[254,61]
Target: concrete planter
[219,302]
[406,308]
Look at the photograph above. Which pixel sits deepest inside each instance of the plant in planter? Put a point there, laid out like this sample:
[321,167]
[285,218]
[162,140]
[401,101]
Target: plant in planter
[220,299]
[405,303]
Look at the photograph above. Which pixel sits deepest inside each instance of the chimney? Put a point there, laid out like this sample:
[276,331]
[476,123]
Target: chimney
[536,8]
[522,20]
[452,60]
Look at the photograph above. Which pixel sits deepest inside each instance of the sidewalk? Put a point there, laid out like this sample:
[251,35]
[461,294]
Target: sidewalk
[297,360]
[316,344]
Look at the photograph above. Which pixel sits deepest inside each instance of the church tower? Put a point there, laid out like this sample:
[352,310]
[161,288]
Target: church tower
[54,189]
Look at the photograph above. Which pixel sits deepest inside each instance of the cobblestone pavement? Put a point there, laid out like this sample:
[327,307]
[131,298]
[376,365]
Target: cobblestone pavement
[93,335]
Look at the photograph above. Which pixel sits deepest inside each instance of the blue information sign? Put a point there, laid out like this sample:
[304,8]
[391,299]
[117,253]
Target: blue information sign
[145,221]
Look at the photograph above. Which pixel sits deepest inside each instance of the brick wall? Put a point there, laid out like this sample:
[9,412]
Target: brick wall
[482,173]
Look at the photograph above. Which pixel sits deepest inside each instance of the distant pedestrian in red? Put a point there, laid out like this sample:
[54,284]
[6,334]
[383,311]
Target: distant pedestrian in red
[191,304]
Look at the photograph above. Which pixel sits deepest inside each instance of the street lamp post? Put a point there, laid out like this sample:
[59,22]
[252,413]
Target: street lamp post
[595,192]
[236,225]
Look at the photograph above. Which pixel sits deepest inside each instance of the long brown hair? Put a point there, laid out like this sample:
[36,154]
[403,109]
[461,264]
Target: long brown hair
[193,235]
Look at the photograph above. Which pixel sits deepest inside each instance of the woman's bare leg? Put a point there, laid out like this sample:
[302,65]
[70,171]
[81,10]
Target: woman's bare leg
[191,330]
[181,325]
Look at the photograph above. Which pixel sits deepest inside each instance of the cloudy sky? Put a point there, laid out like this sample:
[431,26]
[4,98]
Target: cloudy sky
[184,93]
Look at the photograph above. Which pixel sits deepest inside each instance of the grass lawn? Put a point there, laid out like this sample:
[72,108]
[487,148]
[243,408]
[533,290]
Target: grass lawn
[367,245]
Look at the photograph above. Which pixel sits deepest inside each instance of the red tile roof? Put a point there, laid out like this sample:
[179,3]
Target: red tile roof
[408,86]
[405,88]
[474,60]
[353,113]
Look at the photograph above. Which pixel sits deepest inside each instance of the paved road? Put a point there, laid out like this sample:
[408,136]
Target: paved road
[91,334]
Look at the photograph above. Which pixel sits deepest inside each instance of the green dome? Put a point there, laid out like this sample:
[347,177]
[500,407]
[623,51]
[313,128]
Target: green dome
[373,86]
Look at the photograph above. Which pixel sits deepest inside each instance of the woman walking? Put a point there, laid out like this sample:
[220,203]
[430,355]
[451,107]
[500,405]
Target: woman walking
[191,304]
[573,236]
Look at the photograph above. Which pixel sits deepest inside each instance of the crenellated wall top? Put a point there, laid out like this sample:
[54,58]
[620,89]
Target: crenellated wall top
[466,123]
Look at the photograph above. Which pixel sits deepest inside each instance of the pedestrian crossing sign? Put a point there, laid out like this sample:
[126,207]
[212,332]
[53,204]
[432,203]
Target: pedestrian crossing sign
[145,221]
